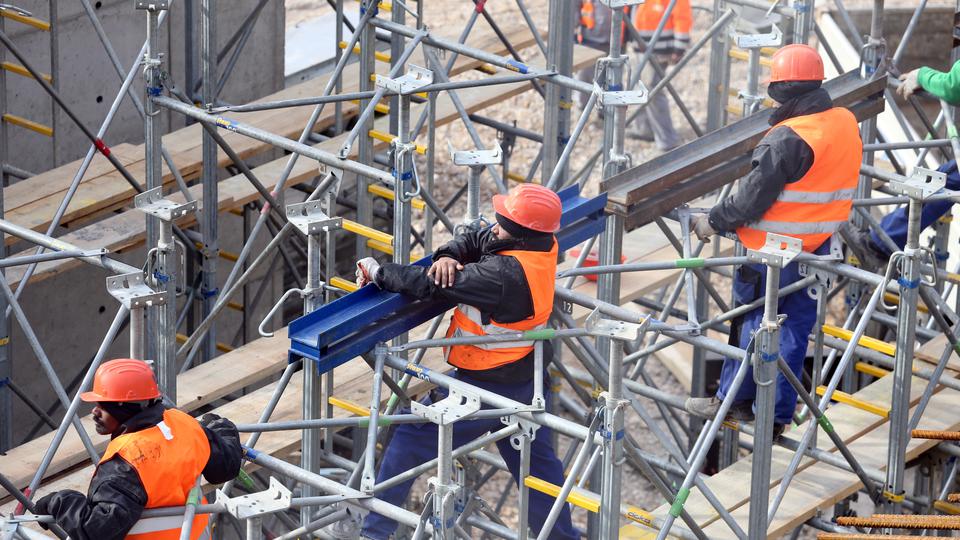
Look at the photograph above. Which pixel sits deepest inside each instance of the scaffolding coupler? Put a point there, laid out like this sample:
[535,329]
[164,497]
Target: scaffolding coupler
[352,325]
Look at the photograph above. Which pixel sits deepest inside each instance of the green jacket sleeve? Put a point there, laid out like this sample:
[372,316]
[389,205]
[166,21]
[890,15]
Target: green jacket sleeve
[945,86]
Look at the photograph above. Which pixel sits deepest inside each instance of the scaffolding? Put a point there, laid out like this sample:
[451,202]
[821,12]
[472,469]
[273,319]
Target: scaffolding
[602,342]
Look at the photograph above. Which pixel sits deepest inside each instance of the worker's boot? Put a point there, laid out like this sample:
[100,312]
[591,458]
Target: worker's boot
[860,243]
[741,411]
[347,528]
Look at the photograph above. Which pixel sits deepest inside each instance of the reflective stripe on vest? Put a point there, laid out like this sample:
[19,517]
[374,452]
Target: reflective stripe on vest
[167,527]
[539,269]
[814,207]
[676,30]
[168,459]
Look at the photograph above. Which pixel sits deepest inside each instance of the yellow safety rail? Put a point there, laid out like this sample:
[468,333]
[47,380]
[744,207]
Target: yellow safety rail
[28,124]
[847,399]
[387,193]
[870,369]
[871,343]
[348,406]
[894,299]
[516,177]
[388,249]
[380,56]
[222,347]
[343,284]
[379,107]
[22,71]
[13,15]
[366,232]
[744,55]
[588,501]
[227,255]
[388,137]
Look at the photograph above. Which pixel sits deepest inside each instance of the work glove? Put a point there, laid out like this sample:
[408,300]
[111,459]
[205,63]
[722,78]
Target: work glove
[367,269]
[50,503]
[909,84]
[702,227]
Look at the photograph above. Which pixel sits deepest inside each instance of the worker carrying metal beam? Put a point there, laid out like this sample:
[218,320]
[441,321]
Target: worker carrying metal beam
[870,250]
[802,184]
[153,460]
[502,279]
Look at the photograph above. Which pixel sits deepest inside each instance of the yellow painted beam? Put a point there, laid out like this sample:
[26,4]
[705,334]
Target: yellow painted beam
[222,347]
[379,107]
[577,499]
[22,71]
[894,299]
[380,56]
[871,343]
[388,249]
[366,232]
[348,406]
[226,255]
[516,177]
[388,137]
[28,124]
[13,15]
[737,54]
[847,399]
[387,193]
[947,508]
[343,284]
[870,369]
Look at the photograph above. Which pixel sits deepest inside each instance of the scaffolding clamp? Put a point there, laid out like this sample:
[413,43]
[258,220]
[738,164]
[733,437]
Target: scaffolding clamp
[597,325]
[274,499]
[458,404]
[476,158]
[526,429]
[132,291]
[921,184]
[309,218]
[415,79]
[152,202]
[778,250]
[151,5]
[617,4]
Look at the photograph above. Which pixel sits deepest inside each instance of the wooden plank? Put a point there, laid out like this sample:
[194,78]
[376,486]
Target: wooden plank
[126,230]
[197,387]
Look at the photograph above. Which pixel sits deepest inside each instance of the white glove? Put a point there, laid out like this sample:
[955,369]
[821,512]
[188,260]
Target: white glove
[702,227]
[367,269]
[909,84]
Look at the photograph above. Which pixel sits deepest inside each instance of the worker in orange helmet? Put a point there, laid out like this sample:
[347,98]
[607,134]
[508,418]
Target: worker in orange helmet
[802,184]
[502,279]
[153,460]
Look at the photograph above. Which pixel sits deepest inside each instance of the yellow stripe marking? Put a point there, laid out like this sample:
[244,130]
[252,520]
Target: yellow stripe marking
[348,406]
[871,343]
[28,124]
[367,232]
[343,284]
[847,399]
[388,137]
[22,71]
[387,193]
[870,369]
[29,21]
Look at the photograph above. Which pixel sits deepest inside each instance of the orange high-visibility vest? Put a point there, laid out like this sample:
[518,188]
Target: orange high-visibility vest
[539,268]
[676,31]
[168,457]
[814,207]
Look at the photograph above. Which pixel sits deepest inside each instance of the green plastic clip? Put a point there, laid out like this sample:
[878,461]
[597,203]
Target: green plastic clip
[544,333]
[825,423]
[245,480]
[696,262]
[678,503]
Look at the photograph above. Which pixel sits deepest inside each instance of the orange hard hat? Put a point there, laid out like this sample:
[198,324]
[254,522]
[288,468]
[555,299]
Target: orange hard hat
[532,206]
[123,380]
[797,62]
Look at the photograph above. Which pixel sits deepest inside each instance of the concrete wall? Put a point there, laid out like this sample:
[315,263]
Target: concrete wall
[88,81]
[930,44]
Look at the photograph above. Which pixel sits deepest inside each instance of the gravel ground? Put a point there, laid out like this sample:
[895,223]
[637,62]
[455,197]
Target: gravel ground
[526,111]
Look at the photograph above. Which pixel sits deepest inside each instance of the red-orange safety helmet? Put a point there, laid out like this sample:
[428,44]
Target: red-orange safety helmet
[121,380]
[797,62]
[532,206]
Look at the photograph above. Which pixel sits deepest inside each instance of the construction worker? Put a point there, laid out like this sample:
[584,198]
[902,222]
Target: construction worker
[502,279]
[153,460]
[802,184]
[654,123]
[870,250]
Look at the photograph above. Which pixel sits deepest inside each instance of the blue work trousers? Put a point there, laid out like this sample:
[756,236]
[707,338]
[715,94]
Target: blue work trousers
[895,223]
[415,444]
[801,310]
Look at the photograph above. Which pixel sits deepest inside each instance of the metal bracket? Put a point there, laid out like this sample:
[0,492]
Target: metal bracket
[132,291]
[153,203]
[617,4]
[275,498]
[597,325]
[310,218]
[921,184]
[756,41]
[778,250]
[622,98]
[528,429]
[448,410]
[476,158]
[415,79]
[151,5]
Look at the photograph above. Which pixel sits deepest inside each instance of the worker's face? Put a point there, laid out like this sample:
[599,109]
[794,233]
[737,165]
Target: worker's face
[106,424]
[500,232]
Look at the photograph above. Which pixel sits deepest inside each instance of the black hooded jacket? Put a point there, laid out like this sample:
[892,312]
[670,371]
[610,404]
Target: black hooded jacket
[494,284]
[116,496]
[780,158]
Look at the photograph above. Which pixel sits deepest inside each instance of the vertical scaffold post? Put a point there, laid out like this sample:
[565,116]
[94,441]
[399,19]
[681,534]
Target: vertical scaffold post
[208,222]
[719,73]
[556,110]
[6,359]
[368,44]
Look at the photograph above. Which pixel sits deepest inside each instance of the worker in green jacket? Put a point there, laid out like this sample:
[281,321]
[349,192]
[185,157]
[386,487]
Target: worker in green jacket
[867,245]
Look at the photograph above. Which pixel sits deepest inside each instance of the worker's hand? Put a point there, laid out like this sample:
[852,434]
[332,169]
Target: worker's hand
[42,508]
[702,227]
[909,84]
[444,271]
[209,419]
[367,269]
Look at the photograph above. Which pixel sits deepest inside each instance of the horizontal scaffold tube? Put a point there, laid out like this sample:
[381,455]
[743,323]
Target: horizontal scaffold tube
[694,262]
[59,245]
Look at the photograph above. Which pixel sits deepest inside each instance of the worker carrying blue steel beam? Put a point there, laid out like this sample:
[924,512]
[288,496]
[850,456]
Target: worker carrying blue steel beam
[502,279]
[802,184]
[870,250]
[153,460]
